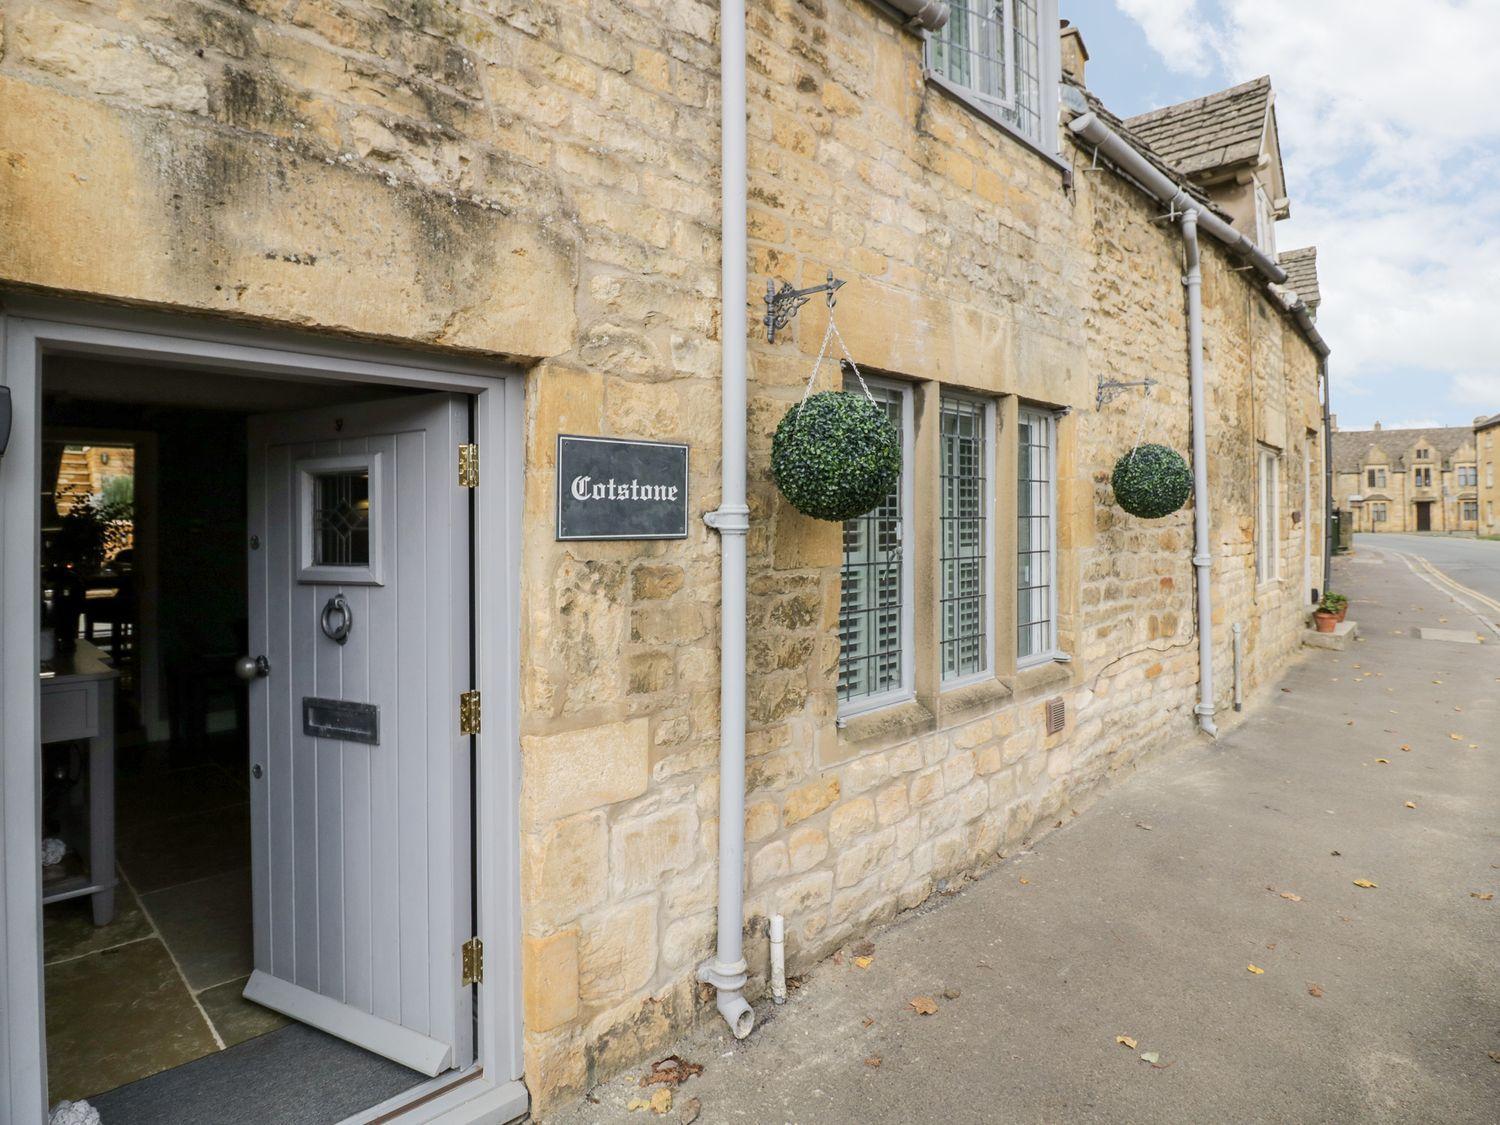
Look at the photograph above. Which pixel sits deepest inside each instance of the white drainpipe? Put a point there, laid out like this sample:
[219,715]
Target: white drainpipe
[726,971]
[1203,559]
[1191,217]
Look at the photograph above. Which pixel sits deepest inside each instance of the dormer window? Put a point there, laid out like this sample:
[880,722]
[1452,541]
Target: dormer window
[995,53]
[1265,221]
[1423,454]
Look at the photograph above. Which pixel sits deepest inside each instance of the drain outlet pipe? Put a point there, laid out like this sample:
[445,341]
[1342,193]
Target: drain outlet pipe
[727,970]
[778,959]
[1239,656]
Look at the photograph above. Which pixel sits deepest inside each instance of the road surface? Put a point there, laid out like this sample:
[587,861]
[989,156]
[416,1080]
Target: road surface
[1468,569]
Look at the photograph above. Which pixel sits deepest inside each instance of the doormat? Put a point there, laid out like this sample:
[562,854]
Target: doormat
[295,1075]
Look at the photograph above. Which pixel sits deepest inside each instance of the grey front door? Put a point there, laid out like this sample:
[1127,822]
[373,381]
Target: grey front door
[360,780]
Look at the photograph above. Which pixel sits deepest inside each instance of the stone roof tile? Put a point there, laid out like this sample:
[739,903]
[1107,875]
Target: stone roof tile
[1222,128]
[1302,274]
[1351,446]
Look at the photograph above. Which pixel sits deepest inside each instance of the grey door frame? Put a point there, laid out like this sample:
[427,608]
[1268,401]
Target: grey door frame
[31,328]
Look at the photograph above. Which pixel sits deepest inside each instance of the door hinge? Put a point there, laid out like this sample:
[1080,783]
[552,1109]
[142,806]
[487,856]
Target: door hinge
[473,958]
[468,465]
[468,713]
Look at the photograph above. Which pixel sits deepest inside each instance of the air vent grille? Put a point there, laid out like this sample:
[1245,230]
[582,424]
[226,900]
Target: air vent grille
[1057,715]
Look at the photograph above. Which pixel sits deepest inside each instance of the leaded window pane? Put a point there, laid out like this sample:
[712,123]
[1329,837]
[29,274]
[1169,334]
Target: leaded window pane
[870,598]
[1035,569]
[341,518]
[992,48]
[964,535]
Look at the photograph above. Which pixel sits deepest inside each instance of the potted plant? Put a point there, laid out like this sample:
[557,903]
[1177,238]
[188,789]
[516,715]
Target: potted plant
[1325,617]
[1338,603]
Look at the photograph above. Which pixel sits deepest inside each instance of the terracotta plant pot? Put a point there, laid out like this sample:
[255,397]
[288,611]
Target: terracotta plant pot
[1343,610]
[1325,621]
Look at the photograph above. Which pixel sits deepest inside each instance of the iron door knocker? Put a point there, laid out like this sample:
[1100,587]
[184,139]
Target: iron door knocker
[338,606]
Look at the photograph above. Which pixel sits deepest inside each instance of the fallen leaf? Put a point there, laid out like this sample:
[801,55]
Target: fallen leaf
[1291,897]
[1411,804]
[690,1111]
[671,1071]
[873,1062]
[638,1103]
[1025,882]
[1406,748]
[1485,897]
[661,1101]
[1455,736]
[1147,827]
[863,949]
[868,1021]
[1382,761]
[1256,969]
[950,994]
[923,1005]
[863,962]
[1315,991]
[1495,1056]
[1335,853]
[1152,1057]
[1126,1041]
[1364,883]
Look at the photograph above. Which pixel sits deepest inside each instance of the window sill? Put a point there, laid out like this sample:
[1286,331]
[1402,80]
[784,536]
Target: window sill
[955,702]
[1038,677]
[979,109]
[873,730]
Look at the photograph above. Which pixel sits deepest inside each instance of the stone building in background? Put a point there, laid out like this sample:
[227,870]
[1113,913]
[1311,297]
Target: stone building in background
[534,186]
[1408,480]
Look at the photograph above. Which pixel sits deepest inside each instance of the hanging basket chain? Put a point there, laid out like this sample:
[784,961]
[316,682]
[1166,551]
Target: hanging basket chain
[831,332]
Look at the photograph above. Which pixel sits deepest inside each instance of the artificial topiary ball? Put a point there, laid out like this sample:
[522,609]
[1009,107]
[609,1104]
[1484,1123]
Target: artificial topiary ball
[836,456]
[1152,481]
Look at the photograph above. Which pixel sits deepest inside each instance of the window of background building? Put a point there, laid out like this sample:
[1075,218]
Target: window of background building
[1377,513]
[1423,454]
[996,53]
[1036,541]
[1470,510]
[1267,516]
[964,537]
[1468,476]
[1422,476]
[876,582]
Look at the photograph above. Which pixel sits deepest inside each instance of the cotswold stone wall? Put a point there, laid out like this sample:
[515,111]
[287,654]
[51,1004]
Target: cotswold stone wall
[538,181]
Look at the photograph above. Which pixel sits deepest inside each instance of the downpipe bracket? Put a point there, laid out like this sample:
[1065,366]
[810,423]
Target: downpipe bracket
[729,519]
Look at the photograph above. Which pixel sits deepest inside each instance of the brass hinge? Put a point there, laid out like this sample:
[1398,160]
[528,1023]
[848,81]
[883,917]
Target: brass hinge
[473,950]
[468,465]
[468,713]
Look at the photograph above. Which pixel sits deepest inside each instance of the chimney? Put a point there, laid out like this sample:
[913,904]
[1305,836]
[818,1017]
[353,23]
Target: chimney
[1376,427]
[1074,53]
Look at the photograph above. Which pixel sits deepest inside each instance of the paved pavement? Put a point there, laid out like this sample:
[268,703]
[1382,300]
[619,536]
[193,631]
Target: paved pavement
[1140,917]
[1472,563]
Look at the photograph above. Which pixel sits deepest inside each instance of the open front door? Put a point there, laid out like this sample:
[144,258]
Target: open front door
[360,778]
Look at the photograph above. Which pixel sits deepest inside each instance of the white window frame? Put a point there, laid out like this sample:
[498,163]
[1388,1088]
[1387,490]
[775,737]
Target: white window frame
[906,690]
[1049,76]
[1267,523]
[1049,652]
[1265,221]
[989,461]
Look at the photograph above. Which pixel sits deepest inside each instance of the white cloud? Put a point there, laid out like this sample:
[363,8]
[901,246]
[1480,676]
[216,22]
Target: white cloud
[1176,31]
[1387,120]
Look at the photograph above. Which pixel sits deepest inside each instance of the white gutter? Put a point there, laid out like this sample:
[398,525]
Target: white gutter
[727,970]
[1089,128]
[926,15]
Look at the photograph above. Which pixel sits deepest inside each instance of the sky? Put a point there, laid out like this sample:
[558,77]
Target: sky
[1389,117]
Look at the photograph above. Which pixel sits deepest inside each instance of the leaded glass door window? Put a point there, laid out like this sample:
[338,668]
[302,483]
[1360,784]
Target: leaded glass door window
[338,519]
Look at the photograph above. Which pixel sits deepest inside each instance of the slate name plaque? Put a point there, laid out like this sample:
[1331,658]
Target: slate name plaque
[612,489]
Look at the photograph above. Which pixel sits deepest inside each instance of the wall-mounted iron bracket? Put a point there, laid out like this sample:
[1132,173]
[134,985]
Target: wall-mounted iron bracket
[782,304]
[1109,388]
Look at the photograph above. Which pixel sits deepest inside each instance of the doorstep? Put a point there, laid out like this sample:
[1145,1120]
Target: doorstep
[1341,638]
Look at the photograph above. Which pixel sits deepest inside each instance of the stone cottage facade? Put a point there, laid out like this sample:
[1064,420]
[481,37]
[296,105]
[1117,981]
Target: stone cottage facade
[536,183]
[1408,480]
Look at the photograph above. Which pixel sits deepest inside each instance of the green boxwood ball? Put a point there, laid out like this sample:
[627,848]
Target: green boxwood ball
[836,456]
[1152,482]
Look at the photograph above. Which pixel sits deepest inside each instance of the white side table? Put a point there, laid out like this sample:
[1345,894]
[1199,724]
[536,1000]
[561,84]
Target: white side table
[78,703]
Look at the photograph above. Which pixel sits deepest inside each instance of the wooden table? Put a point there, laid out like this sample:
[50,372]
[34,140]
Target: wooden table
[78,704]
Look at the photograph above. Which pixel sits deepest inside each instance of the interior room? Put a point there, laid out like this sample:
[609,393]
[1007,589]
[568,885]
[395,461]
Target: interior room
[144,617]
